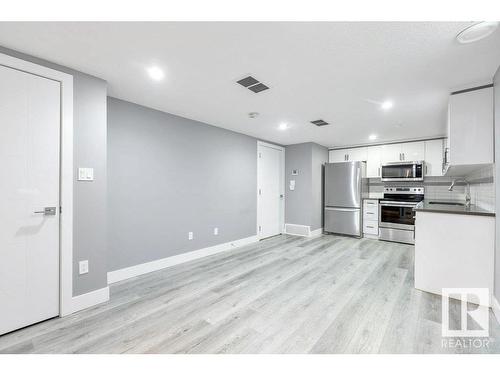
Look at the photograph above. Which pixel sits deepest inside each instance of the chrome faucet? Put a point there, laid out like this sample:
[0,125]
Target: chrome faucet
[467,189]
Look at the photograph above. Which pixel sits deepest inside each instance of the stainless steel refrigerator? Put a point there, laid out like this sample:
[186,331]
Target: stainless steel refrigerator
[345,184]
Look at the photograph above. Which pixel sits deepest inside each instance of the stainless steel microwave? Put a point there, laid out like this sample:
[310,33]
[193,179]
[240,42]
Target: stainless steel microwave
[403,171]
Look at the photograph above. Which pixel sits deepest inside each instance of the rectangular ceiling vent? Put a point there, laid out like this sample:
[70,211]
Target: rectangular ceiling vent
[319,122]
[252,84]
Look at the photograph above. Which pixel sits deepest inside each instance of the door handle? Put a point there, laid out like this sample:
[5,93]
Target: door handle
[49,211]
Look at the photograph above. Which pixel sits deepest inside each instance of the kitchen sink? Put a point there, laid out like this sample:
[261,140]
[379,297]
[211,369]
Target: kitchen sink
[449,203]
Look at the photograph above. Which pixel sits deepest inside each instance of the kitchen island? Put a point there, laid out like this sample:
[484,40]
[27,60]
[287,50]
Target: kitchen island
[454,246]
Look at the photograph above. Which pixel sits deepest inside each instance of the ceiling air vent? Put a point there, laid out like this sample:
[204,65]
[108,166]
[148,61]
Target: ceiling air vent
[252,84]
[258,87]
[319,122]
[247,81]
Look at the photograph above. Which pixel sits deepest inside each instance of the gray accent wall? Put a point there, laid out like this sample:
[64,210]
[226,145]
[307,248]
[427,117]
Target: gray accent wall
[169,175]
[319,158]
[496,82]
[89,198]
[304,205]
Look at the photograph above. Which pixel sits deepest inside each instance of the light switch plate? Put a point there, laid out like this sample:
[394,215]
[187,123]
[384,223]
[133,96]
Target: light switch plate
[85,174]
[190,236]
[83,267]
[216,231]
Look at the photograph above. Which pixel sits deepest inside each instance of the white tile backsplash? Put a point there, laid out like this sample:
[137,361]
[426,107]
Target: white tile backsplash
[482,188]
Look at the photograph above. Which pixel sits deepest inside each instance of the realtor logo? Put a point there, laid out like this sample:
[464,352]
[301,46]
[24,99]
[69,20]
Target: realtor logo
[477,315]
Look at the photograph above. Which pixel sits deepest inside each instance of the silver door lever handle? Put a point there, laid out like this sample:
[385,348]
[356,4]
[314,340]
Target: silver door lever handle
[47,211]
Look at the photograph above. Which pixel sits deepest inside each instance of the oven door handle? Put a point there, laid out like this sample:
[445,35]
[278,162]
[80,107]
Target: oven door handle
[397,205]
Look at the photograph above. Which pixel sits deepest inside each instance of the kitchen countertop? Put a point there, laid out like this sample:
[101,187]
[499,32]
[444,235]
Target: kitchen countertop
[425,206]
[374,196]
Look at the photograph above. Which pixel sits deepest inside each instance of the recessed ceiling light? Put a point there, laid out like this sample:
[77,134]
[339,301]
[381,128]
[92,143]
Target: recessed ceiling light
[155,73]
[372,137]
[476,32]
[283,126]
[386,105]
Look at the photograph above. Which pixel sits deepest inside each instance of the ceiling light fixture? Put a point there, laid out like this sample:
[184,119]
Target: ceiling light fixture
[386,105]
[476,32]
[372,137]
[155,73]
[283,126]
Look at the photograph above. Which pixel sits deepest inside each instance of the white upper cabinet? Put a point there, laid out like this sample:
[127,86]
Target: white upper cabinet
[470,127]
[351,154]
[434,154]
[412,151]
[336,156]
[356,154]
[429,151]
[409,151]
[373,161]
[390,153]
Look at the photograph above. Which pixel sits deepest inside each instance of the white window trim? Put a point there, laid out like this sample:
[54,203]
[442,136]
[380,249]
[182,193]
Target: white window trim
[66,305]
[282,178]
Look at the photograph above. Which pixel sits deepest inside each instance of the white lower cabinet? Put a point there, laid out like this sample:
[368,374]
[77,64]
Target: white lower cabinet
[454,251]
[370,227]
[370,217]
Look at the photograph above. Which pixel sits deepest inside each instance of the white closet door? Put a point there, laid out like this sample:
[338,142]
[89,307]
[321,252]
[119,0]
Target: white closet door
[270,185]
[29,160]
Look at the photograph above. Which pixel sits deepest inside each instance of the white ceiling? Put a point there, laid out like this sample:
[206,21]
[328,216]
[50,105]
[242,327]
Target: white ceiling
[333,71]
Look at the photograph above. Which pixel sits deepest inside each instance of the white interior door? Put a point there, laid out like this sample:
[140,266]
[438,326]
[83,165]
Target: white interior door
[29,160]
[270,214]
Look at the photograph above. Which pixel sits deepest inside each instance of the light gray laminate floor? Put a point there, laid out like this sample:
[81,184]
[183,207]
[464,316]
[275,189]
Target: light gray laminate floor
[287,294]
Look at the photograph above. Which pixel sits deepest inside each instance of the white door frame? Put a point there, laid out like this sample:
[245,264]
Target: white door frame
[66,305]
[282,180]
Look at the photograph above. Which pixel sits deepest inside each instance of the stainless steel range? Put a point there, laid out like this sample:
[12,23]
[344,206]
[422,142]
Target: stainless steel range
[396,215]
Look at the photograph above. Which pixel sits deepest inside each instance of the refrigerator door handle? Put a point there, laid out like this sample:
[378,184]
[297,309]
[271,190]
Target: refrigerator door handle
[342,209]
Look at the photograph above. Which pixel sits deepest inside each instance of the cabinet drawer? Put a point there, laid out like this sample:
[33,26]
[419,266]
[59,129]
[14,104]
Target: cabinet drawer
[370,203]
[370,215]
[370,227]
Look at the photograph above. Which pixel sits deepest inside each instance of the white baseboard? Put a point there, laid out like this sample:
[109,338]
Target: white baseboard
[301,230]
[495,306]
[141,269]
[316,232]
[87,300]
[297,229]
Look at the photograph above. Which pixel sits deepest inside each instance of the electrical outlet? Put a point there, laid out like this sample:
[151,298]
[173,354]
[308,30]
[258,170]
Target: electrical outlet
[83,267]
[216,231]
[190,236]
